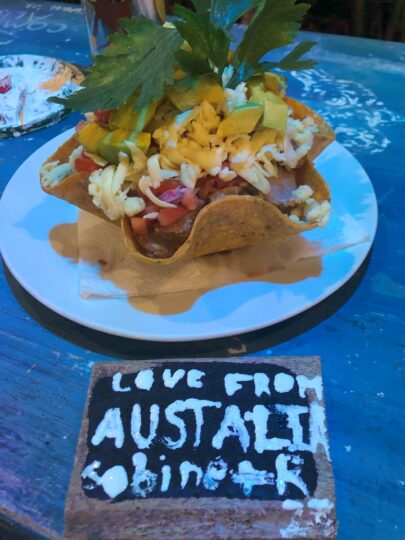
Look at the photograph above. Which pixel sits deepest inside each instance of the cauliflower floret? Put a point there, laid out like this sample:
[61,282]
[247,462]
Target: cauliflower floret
[105,187]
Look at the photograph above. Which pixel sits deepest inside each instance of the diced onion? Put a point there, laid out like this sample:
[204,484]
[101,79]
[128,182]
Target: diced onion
[144,186]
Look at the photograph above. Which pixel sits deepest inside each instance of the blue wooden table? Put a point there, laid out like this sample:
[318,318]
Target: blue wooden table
[359,332]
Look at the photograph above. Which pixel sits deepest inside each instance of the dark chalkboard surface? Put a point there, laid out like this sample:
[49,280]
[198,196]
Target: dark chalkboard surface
[190,444]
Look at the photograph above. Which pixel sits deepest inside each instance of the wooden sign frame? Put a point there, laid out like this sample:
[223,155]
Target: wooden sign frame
[203,517]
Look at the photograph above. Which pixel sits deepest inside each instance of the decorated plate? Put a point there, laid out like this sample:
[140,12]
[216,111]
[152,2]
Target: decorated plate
[39,255]
[26,83]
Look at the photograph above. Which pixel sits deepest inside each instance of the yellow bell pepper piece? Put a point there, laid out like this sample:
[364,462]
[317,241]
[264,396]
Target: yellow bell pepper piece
[91,135]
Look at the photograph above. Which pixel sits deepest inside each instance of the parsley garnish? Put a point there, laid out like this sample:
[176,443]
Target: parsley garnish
[142,60]
[274,25]
[209,44]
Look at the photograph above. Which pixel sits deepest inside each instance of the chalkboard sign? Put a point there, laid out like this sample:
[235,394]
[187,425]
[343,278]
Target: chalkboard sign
[184,447]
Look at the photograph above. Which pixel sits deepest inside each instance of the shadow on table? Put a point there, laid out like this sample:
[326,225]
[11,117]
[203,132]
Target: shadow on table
[126,348]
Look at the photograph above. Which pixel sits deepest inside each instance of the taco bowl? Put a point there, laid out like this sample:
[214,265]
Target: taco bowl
[192,182]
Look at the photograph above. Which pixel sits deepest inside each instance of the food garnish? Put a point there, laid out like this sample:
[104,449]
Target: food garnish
[143,60]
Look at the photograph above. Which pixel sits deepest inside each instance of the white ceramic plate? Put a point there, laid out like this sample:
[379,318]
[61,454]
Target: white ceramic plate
[27,73]
[27,215]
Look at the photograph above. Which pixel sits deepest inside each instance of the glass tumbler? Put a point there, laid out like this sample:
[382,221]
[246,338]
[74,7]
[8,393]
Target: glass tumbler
[102,17]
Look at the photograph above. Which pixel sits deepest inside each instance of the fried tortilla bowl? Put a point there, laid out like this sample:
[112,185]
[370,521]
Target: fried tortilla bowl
[235,221]
[75,187]
[324,135]
[229,223]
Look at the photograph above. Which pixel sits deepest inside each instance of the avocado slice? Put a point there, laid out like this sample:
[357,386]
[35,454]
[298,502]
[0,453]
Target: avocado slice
[127,117]
[242,119]
[91,135]
[115,142]
[186,97]
[274,98]
[275,115]
[260,94]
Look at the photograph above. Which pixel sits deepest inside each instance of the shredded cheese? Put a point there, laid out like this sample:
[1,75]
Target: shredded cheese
[255,176]
[302,193]
[144,185]
[53,172]
[151,215]
[235,98]
[190,148]
[105,188]
[189,175]
[77,152]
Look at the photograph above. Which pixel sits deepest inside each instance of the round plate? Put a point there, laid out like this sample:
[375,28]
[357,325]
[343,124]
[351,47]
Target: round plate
[27,215]
[34,79]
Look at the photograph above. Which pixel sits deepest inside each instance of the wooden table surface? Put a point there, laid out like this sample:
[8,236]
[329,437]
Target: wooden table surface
[46,360]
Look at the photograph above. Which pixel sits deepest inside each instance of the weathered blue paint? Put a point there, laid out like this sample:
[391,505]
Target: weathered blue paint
[46,360]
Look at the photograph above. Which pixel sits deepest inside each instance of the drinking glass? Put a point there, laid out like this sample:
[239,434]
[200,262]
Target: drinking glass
[102,17]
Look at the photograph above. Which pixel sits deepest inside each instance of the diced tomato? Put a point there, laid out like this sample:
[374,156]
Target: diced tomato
[165,186]
[190,200]
[5,84]
[102,116]
[168,216]
[139,225]
[85,164]
[150,207]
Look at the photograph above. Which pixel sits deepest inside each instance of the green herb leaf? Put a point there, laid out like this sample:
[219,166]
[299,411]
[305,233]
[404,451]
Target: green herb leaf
[207,42]
[274,25]
[292,60]
[202,6]
[192,64]
[142,60]
[224,13]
